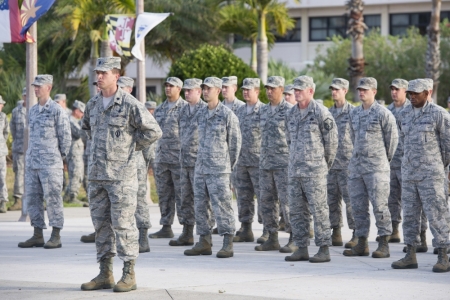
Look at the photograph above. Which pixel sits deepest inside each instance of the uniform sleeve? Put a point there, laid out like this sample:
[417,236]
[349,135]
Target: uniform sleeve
[147,129]
[63,132]
[85,125]
[12,125]
[444,135]
[329,131]
[6,129]
[75,128]
[390,134]
[234,139]
[286,129]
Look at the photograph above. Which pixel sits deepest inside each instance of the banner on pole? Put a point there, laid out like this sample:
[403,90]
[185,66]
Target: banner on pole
[144,23]
[120,28]
[10,25]
[30,12]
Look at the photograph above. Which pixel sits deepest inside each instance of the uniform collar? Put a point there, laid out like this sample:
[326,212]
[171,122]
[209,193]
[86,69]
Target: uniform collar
[177,103]
[256,107]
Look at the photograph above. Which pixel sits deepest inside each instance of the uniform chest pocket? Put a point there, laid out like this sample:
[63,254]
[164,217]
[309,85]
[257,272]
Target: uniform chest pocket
[117,128]
[427,132]
[93,120]
[48,129]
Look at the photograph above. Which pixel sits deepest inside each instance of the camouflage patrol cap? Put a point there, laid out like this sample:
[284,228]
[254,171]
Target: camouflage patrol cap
[367,83]
[212,82]
[125,82]
[339,84]
[429,82]
[417,86]
[107,63]
[289,89]
[60,97]
[43,79]
[303,82]
[175,81]
[228,81]
[1,100]
[192,83]
[251,83]
[399,83]
[150,105]
[80,105]
[24,91]
[275,81]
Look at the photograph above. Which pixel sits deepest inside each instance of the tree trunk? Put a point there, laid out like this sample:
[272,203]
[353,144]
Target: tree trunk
[356,28]
[253,58]
[262,49]
[105,50]
[433,56]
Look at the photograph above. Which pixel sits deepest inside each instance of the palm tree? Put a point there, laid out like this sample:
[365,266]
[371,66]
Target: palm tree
[433,55]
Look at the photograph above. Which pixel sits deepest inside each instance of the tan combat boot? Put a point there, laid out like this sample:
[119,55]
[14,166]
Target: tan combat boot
[203,247]
[290,247]
[360,249]
[104,280]
[89,238]
[37,240]
[442,264]
[3,207]
[165,233]
[395,236]
[409,261]
[383,248]
[352,242]
[336,237]
[128,281]
[17,204]
[246,234]
[271,244]
[322,256]
[186,238]
[263,237]
[227,248]
[55,240]
[300,255]
[143,240]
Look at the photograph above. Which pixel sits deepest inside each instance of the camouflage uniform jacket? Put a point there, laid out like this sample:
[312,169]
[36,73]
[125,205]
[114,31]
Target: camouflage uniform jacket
[17,125]
[236,105]
[396,162]
[189,134]
[426,142]
[4,128]
[312,140]
[274,147]
[219,141]
[77,147]
[375,138]
[168,147]
[251,135]
[125,126]
[50,138]
[345,146]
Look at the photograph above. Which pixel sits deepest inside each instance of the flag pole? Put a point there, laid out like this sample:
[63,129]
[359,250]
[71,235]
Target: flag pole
[140,76]
[31,72]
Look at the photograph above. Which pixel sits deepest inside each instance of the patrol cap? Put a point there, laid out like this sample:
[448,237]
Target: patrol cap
[275,81]
[429,82]
[289,89]
[212,82]
[43,79]
[175,81]
[303,82]
[319,101]
[251,83]
[150,105]
[80,105]
[399,83]
[1,100]
[107,63]
[60,97]
[125,82]
[228,81]
[192,83]
[417,86]
[381,102]
[339,84]
[367,83]
[24,91]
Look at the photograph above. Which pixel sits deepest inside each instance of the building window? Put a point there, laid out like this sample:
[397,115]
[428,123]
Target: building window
[323,28]
[372,22]
[399,23]
[293,35]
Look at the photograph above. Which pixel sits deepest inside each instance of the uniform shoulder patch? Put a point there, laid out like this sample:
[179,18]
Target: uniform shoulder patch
[328,124]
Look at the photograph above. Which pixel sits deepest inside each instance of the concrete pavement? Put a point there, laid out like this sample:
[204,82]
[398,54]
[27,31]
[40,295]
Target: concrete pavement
[165,273]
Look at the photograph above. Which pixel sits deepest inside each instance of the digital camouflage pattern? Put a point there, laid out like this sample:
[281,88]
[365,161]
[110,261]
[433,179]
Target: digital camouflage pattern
[337,191]
[4,130]
[273,164]
[17,125]
[251,83]
[75,162]
[367,83]
[142,213]
[42,79]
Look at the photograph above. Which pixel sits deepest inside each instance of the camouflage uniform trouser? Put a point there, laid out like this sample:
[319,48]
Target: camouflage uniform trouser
[308,195]
[113,205]
[142,213]
[75,166]
[85,177]
[247,185]
[337,190]
[44,184]
[372,187]
[395,200]
[187,210]
[18,169]
[167,178]
[213,190]
[3,187]
[429,195]
[273,189]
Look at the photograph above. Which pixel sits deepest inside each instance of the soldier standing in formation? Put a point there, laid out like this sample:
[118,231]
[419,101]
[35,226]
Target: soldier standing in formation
[49,144]
[4,131]
[218,152]
[289,95]
[167,160]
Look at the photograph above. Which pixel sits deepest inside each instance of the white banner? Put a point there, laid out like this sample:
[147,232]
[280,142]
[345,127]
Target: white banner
[144,23]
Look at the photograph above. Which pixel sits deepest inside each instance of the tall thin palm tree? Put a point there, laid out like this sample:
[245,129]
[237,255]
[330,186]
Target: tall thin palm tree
[433,55]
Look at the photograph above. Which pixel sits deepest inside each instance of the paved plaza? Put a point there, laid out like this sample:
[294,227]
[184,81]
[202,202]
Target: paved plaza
[165,273]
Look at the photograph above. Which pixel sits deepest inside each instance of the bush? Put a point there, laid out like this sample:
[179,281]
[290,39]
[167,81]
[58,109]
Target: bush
[214,61]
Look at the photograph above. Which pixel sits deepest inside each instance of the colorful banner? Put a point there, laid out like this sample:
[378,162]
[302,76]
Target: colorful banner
[120,28]
[31,11]
[10,25]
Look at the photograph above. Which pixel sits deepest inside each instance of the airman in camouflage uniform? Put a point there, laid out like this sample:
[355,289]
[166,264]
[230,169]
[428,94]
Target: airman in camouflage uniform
[313,140]
[189,146]
[151,106]
[218,152]
[61,99]
[167,161]
[247,167]
[4,129]
[375,138]
[17,126]
[289,94]
[337,176]
[48,145]
[118,125]
[424,131]
[74,159]
[273,166]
